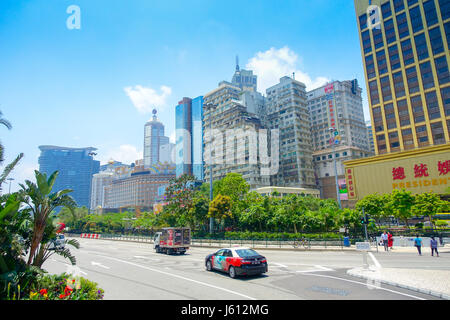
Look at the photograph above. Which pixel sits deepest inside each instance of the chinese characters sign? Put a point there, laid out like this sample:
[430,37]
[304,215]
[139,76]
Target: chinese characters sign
[349,177]
[420,170]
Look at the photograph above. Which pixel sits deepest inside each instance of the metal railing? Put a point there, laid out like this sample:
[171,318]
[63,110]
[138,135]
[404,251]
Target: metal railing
[300,244]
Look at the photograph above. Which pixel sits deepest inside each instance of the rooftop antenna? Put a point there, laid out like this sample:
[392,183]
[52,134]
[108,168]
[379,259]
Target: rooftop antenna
[293,75]
[237,63]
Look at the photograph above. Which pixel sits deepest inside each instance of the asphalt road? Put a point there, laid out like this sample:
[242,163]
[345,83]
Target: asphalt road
[133,271]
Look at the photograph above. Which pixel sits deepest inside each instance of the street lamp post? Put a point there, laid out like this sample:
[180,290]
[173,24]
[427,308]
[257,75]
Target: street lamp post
[10,181]
[338,196]
[210,107]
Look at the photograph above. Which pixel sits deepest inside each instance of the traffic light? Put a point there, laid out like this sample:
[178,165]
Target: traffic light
[365,219]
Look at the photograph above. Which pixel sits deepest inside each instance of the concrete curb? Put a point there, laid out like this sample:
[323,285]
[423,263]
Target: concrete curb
[441,295]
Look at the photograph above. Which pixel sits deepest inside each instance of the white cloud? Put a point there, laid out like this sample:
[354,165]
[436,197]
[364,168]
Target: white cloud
[146,99]
[274,63]
[125,153]
[23,171]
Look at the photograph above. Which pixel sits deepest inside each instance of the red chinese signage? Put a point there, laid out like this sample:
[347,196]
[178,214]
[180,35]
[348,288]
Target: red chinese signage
[349,177]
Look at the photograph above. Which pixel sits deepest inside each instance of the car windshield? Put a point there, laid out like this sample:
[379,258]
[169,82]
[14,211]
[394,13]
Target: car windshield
[244,253]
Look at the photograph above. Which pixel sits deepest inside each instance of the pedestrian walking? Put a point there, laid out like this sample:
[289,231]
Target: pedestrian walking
[418,244]
[384,238]
[433,246]
[390,240]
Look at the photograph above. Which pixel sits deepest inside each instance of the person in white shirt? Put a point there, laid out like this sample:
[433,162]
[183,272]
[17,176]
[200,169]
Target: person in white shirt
[384,238]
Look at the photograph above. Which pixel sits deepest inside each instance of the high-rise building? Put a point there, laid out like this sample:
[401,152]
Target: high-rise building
[153,139]
[405,50]
[189,137]
[244,79]
[370,136]
[287,111]
[166,153]
[234,132]
[336,108]
[76,167]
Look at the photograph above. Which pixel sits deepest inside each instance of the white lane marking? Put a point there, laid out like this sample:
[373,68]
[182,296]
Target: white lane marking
[280,265]
[180,277]
[323,268]
[99,264]
[377,264]
[367,284]
[146,258]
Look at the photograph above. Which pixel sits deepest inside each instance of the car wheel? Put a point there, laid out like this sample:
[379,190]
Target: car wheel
[208,265]
[232,272]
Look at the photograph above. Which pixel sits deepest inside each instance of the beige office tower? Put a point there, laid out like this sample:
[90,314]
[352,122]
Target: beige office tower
[287,111]
[405,50]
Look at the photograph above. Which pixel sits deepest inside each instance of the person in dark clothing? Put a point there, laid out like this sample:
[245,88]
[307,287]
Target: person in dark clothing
[433,246]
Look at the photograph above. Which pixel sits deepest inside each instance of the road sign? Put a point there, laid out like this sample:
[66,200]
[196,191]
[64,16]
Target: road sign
[363,246]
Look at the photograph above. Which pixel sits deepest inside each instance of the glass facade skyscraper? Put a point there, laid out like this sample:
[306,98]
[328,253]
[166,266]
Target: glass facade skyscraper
[189,137]
[405,50]
[76,167]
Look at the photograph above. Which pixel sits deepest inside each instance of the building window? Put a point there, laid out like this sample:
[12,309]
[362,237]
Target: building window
[427,75]
[398,5]
[407,51]
[402,25]
[389,31]
[421,46]
[416,19]
[417,108]
[432,105]
[366,41]
[386,88]
[363,21]
[447,32]
[411,2]
[394,57]
[398,84]
[377,38]
[445,93]
[430,12]
[370,66]
[436,40]
[413,83]
[374,95]
[445,9]
[386,10]
[437,132]
[381,61]
[442,70]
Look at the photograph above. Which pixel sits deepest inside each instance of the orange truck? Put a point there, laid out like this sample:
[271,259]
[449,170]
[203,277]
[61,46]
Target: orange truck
[172,240]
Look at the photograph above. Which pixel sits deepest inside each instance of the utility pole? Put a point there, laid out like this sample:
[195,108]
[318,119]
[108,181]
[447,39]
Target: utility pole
[333,144]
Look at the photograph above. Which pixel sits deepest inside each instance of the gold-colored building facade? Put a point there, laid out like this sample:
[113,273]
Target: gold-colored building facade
[406,60]
[421,170]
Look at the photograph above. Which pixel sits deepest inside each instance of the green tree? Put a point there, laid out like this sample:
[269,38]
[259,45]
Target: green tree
[428,204]
[401,203]
[41,202]
[220,208]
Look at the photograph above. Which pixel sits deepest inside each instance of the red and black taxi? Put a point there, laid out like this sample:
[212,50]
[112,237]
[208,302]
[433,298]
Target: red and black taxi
[237,261]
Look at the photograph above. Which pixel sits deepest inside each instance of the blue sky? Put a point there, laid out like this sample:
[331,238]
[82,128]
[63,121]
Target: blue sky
[95,86]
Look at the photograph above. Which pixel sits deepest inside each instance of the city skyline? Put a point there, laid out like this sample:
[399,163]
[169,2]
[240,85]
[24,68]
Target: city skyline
[78,70]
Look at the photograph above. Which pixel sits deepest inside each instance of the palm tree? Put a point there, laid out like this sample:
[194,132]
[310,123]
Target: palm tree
[5,122]
[10,166]
[41,201]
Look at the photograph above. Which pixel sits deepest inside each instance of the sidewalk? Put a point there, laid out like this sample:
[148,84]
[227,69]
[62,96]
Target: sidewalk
[432,282]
